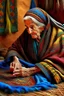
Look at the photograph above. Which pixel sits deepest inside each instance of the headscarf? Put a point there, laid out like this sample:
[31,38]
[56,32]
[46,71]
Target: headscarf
[39,15]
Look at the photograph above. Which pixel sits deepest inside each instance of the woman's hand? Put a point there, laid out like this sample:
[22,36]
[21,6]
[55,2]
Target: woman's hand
[23,72]
[15,65]
[18,70]
[26,71]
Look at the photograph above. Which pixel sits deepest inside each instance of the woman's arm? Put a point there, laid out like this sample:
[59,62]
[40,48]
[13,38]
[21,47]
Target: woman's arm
[26,71]
[18,70]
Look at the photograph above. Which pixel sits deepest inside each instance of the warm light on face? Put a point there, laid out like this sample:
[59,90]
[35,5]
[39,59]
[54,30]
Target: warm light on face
[33,29]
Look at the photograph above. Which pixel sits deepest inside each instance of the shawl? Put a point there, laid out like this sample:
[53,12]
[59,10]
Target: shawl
[8,16]
[48,54]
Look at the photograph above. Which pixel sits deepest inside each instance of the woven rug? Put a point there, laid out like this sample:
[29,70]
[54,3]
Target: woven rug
[6,76]
[54,92]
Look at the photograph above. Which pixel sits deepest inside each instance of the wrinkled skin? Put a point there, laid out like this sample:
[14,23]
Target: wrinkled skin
[18,70]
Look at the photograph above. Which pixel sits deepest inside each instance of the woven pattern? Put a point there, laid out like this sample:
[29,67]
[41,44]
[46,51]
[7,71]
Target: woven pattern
[8,78]
[8,16]
[54,92]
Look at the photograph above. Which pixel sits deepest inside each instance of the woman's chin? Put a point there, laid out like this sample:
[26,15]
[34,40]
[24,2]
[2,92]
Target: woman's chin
[34,37]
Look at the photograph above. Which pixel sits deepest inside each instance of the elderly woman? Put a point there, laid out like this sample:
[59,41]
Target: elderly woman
[41,44]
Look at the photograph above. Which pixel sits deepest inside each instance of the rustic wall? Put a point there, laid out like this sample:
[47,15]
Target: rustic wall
[23,6]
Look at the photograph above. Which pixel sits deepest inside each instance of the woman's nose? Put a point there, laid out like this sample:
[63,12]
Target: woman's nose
[29,30]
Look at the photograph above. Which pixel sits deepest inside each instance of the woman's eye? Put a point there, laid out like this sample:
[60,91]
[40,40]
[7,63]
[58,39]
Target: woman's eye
[32,27]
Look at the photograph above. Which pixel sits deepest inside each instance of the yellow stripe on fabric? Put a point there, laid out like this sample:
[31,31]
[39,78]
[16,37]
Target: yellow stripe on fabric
[8,25]
[52,37]
[57,41]
[62,76]
[47,60]
[62,41]
[53,71]
[60,32]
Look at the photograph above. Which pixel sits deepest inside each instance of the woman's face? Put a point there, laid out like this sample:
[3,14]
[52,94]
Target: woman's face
[33,29]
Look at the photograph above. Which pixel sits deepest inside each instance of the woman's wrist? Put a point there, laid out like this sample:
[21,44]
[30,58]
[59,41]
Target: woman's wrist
[34,70]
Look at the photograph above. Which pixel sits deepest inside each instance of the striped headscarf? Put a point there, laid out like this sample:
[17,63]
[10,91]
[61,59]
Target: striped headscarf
[39,15]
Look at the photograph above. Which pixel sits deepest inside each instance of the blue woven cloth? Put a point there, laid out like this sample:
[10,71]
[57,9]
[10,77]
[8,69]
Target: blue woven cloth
[41,82]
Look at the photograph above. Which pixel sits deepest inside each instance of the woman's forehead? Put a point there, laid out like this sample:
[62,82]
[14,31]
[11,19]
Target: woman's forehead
[30,19]
[28,22]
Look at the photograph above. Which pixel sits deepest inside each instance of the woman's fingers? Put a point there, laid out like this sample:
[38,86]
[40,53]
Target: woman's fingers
[21,72]
[15,58]
[17,66]
[12,65]
[17,73]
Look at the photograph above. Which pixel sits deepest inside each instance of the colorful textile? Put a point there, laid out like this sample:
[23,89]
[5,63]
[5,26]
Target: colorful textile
[10,84]
[49,54]
[8,16]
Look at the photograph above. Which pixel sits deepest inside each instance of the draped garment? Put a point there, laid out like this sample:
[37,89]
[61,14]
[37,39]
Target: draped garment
[48,54]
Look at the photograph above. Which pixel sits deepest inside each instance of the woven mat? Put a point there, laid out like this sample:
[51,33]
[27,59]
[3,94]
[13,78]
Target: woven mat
[53,92]
[7,77]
